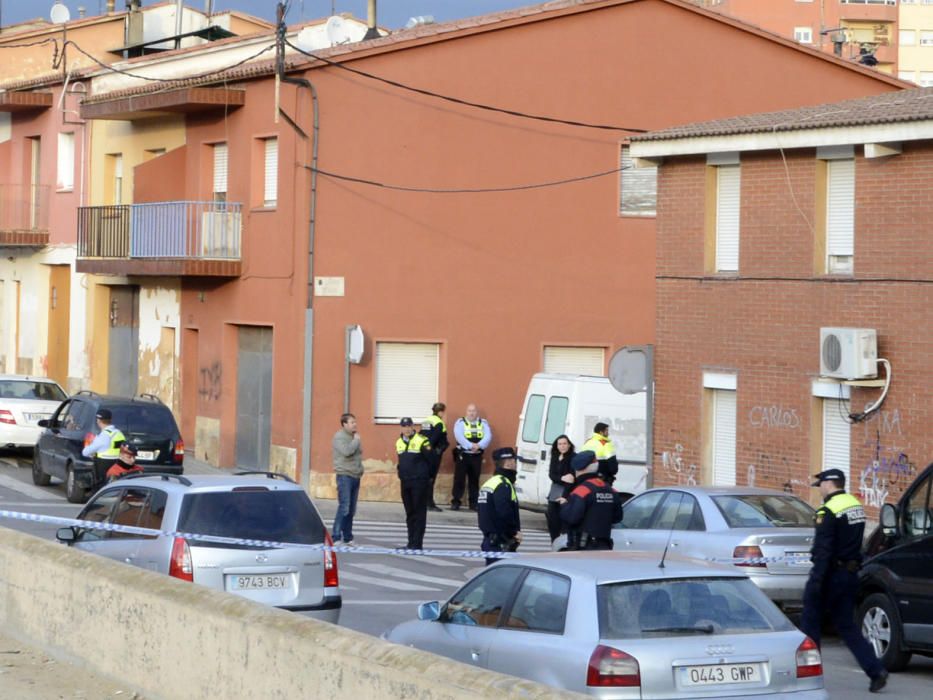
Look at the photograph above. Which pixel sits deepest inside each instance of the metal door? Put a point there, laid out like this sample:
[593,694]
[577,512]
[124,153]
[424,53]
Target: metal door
[123,371]
[254,397]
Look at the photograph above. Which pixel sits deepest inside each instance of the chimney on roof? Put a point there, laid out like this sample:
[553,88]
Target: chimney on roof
[134,23]
[82,11]
[371,31]
[110,5]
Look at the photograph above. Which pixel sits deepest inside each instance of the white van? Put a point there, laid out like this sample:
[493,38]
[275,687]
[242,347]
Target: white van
[557,404]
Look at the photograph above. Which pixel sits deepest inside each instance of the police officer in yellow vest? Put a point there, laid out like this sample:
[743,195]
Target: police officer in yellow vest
[414,471]
[498,507]
[833,582]
[473,436]
[105,448]
[601,445]
[435,430]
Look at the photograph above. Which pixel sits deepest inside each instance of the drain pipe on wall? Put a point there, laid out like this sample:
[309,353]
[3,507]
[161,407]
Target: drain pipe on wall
[306,392]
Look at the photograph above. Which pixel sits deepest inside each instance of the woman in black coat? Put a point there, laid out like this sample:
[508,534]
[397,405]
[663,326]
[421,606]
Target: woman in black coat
[561,475]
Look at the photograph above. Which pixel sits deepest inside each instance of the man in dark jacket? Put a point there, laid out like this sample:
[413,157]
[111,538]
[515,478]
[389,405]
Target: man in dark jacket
[497,507]
[592,507]
[833,581]
[414,471]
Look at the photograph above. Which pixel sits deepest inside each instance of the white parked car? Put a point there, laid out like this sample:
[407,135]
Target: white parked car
[24,401]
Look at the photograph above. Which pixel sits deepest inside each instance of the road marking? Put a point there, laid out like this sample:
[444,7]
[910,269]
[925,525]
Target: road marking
[395,585]
[433,561]
[13,484]
[403,573]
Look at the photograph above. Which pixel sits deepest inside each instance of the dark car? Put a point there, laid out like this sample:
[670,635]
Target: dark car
[896,580]
[145,421]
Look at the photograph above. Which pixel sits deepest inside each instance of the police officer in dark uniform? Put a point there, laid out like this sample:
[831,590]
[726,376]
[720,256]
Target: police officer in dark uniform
[591,508]
[414,471]
[435,430]
[497,507]
[833,582]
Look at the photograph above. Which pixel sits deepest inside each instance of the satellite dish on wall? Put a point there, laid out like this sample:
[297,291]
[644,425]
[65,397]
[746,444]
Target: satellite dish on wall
[337,31]
[59,13]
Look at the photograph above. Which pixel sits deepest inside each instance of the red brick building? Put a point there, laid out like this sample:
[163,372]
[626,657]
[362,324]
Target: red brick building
[771,227]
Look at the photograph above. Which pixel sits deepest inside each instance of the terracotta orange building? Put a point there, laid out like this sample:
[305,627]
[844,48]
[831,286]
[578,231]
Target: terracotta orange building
[473,247]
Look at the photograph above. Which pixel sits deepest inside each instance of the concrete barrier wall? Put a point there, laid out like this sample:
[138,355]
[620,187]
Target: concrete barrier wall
[173,640]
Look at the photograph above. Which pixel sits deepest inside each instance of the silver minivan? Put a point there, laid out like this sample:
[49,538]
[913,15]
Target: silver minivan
[254,506]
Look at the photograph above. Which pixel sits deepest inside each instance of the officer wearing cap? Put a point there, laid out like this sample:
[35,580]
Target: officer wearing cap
[414,471]
[125,464]
[105,448]
[497,507]
[591,508]
[833,582]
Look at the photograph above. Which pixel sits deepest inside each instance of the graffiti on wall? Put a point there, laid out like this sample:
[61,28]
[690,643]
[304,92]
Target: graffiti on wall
[676,469]
[775,468]
[774,416]
[889,471]
[209,382]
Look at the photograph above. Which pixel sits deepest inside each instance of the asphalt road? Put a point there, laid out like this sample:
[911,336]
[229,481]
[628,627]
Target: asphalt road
[380,591]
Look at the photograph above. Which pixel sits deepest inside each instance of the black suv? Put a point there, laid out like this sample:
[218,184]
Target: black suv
[145,421]
[896,581]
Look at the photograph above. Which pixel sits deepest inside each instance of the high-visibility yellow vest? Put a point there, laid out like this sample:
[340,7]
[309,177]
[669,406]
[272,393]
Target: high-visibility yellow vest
[600,445]
[415,444]
[495,481]
[473,431]
[113,450]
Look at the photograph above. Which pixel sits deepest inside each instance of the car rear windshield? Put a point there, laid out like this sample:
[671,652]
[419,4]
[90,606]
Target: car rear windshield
[764,511]
[151,420]
[683,607]
[256,514]
[20,389]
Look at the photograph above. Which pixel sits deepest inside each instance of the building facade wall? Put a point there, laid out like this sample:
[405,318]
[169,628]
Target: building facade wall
[915,61]
[763,324]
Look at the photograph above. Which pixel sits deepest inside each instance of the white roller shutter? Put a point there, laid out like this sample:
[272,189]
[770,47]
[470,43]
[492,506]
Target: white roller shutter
[220,170]
[271,181]
[723,438]
[728,194]
[575,360]
[406,380]
[836,436]
[66,161]
[639,187]
[840,214]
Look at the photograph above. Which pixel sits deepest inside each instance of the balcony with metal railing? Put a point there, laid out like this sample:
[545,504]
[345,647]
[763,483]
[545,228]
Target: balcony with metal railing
[24,215]
[196,239]
[868,10]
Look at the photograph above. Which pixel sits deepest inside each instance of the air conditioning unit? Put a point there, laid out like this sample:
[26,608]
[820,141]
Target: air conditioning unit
[848,353]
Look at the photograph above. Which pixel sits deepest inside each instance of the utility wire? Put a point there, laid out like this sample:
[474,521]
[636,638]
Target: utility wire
[463,190]
[457,100]
[33,43]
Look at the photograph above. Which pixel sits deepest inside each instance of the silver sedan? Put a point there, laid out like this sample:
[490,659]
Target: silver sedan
[771,530]
[622,625]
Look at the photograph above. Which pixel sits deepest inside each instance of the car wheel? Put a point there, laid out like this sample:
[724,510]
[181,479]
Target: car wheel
[73,492]
[882,628]
[39,477]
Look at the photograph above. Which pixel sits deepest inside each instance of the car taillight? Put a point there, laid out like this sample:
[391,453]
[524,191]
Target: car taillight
[180,566]
[179,455]
[88,438]
[749,553]
[809,661]
[330,564]
[7,417]
[612,668]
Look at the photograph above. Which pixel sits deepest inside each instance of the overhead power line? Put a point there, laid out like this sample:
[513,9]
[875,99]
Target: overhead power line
[460,101]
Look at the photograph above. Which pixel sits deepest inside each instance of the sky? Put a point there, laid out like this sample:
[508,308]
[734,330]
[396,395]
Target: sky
[392,14]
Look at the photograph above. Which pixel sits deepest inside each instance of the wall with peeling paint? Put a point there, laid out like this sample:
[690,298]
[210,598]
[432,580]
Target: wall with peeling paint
[159,339]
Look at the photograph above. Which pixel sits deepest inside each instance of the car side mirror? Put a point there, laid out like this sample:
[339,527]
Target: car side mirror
[429,611]
[66,535]
[889,519]
[45,423]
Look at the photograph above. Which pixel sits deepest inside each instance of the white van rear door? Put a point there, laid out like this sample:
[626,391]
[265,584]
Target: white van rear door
[530,443]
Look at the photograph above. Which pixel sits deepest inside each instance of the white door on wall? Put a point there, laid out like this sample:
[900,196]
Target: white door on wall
[723,438]
[836,436]
[575,360]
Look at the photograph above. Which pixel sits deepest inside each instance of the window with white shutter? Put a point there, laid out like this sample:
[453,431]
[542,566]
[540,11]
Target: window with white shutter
[271,173]
[728,192]
[723,437]
[836,436]
[639,187]
[219,189]
[66,162]
[575,360]
[840,215]
[406,380]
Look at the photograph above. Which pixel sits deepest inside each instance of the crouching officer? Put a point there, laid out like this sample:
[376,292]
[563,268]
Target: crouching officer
[833,582]
[497,506]
[125,464]
[591,508]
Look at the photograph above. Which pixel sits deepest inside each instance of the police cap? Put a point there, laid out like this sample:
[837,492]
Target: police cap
[829,475]
[504,453]
[406,421]
[104,414]
[582,460]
